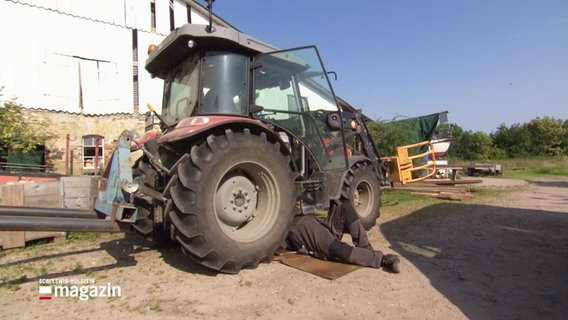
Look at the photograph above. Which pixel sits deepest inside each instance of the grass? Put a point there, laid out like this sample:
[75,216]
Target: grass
[82,235]
[401,202]
[527,168]
[13,285]
[77,268]
[154,305]
[245,283]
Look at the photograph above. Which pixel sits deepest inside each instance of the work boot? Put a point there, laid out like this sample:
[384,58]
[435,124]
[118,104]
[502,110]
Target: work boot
[392,262]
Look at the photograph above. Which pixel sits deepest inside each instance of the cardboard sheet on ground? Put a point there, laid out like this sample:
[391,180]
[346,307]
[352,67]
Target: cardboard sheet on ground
[325,269]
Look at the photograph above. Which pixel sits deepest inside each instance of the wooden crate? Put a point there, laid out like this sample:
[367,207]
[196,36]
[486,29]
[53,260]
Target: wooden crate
[79,192]
[42,194]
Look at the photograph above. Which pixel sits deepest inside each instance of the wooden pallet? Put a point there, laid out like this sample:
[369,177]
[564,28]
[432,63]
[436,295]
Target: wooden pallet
[18,239]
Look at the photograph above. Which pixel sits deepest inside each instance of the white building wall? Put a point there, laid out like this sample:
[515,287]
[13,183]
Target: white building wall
[150,88]
[77,55]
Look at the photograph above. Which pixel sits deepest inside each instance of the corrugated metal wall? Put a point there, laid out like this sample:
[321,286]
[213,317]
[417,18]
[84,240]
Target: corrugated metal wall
[77,55]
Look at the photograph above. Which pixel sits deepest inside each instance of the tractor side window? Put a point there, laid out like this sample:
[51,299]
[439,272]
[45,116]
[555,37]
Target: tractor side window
[293,90]
[181,91]
[224,83]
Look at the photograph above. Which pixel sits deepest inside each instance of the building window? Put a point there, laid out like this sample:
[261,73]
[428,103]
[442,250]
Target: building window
[93,151]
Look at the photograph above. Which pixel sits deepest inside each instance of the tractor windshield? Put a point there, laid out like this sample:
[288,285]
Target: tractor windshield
[293,90]
[224,81]
[180,92]
[223,86]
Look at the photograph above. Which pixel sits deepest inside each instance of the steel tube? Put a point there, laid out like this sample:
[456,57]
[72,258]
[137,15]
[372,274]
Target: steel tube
[19,223]
[47,212]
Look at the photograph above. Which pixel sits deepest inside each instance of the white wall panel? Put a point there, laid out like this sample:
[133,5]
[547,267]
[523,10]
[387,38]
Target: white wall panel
[180,13]
[59,83]
[6,55]
[44,45]
[197,18]
[89,86]
[91,41]
[150,89]
[43,3]
[20,54]
[109,11]
[138,14]
[162,16]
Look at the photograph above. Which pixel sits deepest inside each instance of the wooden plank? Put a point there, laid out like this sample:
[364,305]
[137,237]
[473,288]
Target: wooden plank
[46,194]
[459,181]
[79,203]
[12,239]
[58,237]
[43,194]
[76,187]
[434,189]
[79,192]
[12,195]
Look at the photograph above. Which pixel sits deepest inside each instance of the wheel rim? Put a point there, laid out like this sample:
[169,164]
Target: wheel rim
[246,201]
[363,198]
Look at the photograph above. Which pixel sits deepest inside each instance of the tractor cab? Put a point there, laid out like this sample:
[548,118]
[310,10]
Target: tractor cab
[223,78]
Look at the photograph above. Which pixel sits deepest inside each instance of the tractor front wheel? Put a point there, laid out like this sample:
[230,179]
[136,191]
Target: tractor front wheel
[234,199]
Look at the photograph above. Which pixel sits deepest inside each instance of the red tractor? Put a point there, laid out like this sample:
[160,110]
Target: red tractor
[249,138]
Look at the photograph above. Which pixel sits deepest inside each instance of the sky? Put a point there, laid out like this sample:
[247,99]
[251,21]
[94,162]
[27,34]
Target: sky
[486,62]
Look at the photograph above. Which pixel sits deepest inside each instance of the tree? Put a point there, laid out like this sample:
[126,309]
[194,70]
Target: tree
[547,135]
[515,141]
[388,137]
[468,145]
[565,137]
[15,134]
[448,130]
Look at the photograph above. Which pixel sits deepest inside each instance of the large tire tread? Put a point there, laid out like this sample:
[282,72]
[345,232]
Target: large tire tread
[362,173]
[201,238]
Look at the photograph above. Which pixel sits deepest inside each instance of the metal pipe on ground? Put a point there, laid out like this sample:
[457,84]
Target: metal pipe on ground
[47,212]
[22,223]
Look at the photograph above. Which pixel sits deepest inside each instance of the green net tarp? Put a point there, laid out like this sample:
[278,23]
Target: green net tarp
[418,129]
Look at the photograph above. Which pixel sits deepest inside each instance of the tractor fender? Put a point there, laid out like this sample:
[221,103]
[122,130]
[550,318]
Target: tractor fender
[195,126]
[354,159]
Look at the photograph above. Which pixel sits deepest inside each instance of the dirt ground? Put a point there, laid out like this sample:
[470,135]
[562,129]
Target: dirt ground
[496,258]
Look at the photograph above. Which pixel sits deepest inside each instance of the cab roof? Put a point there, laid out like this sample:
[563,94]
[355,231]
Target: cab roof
[176,46]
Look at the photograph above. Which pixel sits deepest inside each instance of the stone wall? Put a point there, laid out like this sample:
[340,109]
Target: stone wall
[68,130]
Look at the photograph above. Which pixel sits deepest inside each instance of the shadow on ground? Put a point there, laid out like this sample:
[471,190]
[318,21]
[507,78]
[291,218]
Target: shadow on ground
[123,251]
[552,183]
[491,262]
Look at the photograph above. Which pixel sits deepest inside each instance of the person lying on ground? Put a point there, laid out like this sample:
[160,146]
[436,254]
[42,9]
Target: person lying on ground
[321,237]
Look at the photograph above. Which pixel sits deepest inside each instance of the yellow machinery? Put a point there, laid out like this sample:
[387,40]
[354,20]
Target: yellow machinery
[403,165]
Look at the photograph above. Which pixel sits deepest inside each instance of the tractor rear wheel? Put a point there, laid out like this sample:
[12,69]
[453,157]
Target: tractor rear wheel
[234,199]
[365,193]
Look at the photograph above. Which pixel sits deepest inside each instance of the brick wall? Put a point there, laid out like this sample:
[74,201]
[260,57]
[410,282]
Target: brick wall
[72,127]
